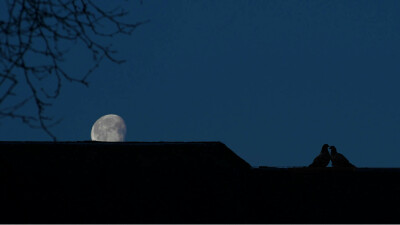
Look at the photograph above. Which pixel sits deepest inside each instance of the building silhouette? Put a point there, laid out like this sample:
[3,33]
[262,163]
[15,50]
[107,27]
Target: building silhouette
[182,182]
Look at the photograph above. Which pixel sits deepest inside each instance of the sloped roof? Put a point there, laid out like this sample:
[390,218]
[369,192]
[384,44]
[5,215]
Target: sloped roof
[133,154]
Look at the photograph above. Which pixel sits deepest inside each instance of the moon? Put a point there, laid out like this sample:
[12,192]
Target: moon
[109,128]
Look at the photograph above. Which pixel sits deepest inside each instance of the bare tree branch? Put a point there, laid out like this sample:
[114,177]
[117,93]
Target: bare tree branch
[40,28]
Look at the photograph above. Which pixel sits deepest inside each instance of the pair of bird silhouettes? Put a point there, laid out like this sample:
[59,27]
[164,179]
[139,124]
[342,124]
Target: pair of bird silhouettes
[338,160]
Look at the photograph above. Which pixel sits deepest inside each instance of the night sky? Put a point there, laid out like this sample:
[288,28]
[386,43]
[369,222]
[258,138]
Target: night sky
[273,80]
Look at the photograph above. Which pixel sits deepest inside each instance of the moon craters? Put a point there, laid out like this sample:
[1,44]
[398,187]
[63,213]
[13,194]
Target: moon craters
[109,128]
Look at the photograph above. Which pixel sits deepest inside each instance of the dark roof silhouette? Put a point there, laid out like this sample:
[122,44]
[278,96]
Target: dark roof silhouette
[202,182]
[133,154]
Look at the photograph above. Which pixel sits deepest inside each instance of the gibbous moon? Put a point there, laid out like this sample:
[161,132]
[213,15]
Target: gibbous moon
[110,128]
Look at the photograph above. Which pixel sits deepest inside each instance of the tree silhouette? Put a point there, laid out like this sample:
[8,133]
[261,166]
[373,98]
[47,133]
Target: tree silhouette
[42,29]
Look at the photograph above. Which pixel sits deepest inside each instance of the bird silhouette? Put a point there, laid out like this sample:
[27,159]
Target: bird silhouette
[322,160]
[338,160]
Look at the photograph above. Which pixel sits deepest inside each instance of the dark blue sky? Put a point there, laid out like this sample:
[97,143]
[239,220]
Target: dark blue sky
[273,80]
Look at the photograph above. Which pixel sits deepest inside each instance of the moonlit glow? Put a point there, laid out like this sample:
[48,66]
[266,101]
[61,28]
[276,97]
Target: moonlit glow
[109,128]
